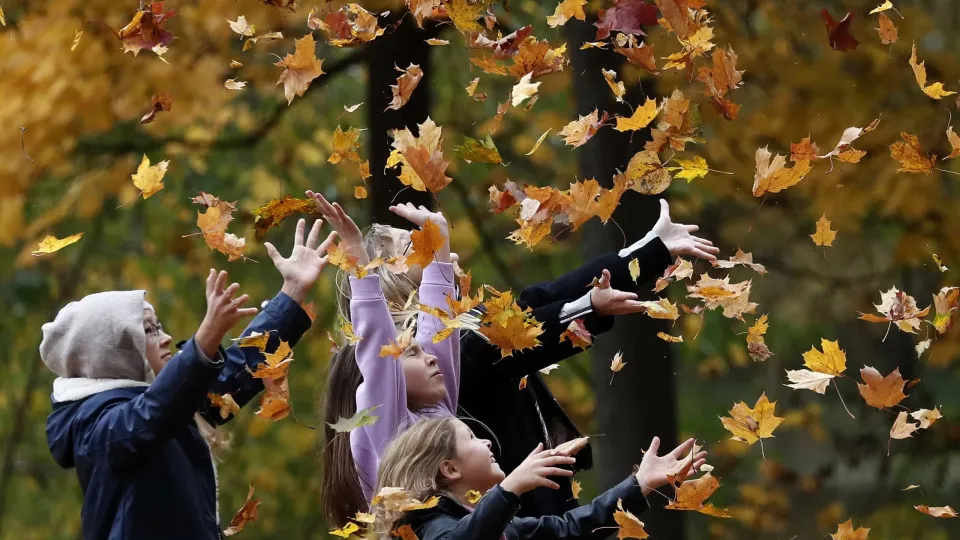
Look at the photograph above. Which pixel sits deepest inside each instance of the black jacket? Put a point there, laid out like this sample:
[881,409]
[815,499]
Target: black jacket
[493,518]
[145,470]
[520,419]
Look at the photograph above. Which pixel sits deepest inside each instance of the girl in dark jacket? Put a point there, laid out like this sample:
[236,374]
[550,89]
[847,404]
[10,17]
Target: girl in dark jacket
[442,457]
[517,419]
[124,407]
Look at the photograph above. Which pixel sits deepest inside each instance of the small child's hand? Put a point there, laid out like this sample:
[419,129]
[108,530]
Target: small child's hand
[351,239]
[302,268]
[607,301]
[656,471]
[223,312]
[418,216]
[535,471]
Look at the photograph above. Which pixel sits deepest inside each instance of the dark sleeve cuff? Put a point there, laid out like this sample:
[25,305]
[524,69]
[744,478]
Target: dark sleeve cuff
[291,321]
[632,494]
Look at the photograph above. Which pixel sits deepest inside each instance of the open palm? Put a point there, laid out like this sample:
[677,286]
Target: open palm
[302,268]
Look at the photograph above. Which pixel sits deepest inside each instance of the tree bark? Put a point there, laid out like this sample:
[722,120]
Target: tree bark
[641,402]
[404,46]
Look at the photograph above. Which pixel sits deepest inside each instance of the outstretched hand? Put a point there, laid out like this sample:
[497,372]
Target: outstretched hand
[350,235]
[223,312]
[678,238]
[302,268]
[656,471]
[607,301]
[536,470]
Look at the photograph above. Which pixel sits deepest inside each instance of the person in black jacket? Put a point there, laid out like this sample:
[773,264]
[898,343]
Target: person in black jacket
[125,409]
[442,457]
[516,419]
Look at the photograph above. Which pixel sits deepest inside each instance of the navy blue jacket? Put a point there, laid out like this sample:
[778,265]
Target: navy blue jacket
[494,517]
[518,420]
[145,470]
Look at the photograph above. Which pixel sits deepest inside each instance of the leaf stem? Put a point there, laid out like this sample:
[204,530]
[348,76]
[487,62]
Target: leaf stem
[835,387]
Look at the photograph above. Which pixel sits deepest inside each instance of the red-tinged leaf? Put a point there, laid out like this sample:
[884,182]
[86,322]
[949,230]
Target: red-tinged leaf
[839,32]
[627,16]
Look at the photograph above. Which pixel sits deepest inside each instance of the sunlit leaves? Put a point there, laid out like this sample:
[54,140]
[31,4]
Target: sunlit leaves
[149,178]
[300,68]
[52,244]
[421,161]
[933,90]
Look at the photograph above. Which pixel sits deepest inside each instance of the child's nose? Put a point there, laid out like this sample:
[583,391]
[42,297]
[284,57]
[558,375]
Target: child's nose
[431,360]
[487,443]
[165,339]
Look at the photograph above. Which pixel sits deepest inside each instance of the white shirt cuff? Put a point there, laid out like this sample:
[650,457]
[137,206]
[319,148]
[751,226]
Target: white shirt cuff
[576,309]
[625,252]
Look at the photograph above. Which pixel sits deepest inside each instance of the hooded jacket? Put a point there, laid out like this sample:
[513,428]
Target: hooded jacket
[145,470]
[494,517]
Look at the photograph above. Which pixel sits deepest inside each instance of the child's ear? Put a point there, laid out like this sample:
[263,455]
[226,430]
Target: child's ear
[449,471]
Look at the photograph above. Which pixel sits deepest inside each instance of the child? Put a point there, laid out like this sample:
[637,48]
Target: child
[422,381]
[145,469]
[521,419]
[442,457]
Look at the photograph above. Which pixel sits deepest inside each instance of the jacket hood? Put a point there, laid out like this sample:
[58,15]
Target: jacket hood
[99,336]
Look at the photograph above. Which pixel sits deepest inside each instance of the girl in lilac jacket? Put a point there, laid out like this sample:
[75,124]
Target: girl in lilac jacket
[420,381]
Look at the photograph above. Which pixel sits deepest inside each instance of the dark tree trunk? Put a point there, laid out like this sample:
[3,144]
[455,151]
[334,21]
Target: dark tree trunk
[641,402]
[399,48]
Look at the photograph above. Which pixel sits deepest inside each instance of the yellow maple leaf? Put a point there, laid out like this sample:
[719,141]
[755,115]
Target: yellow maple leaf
[257,340]
[578,132]
[421,158]
[516,332]
[734,298]
[751,425]
[464,15]
[832,361]
[345,146]
[616,365]
[646,175]
[887,4]
[823,236]
[756,346]
[934,90]
[773,175]
[912,158]
[301,68]
[566,10]
[691,169]
[149,178]
[692,493]
[51,244]
[275,364]
[399,345]
[640,118]
[346,530]
[845,530]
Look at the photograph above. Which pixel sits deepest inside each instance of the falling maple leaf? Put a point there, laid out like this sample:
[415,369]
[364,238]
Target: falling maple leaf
[240,26]
[627,16]
[346,531]
[803,150]
[756,346]
[901,429]
[926,417]
[149,178]
[677,17]
[577,334]
[275,400]
[225,403]
[361,418]
[912,158]
[751,425]
[349,26]
[406,83]
[646,174]
[508,327]
[300,68]
[578,132]
[845,531]
[160,103]
[691,496]
[691,169]
[954,141]
[823,236]
[474,150]
[668,338]
[145,30]
[233,84]
[839,32]
[720,80]
[843,151]
[617,87]
[435,42]
[640,55]
[947,302]
[246,514]
[898,307]
[537,57]
[269,36]
[464,15]
[887,30]
[881,392]
[426,242]
[289,5]
[51,244]
[400,344]
[741,258]
[616,365]
[422,166]
[772,176]
[583,202]
[257,340]
[566,10]
[660,309]
[732,297]
[634,267]
[274,212]
[345,146]
[630,525]
[822,367]
[523,90]
[680,269]
[937,511]
[934,90]
[640,118]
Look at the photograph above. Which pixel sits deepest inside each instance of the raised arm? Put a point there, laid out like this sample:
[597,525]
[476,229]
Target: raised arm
[129,431]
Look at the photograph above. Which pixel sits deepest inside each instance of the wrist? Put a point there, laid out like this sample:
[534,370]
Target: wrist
[294,290]
[645,487]
[208,338]
[510,486]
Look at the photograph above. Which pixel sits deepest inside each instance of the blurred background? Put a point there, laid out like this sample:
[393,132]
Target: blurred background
[70,138]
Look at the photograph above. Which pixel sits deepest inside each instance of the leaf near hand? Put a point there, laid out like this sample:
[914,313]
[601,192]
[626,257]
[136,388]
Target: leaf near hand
[577,334]
[692,493]
[274,212]
[246,514]
[630,525]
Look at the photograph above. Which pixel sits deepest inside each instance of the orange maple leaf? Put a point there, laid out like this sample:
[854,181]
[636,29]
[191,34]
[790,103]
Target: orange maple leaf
[692,493]
[301,68]
[274,212]
[406,84]
[577,334]
[421,158]
[773,176]
[881,392]
[912,158]
[246,514]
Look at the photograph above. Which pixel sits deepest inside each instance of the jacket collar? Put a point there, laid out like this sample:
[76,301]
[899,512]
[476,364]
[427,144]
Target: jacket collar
[76,388]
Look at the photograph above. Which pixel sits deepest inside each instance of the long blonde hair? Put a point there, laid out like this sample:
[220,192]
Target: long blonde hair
[412,462]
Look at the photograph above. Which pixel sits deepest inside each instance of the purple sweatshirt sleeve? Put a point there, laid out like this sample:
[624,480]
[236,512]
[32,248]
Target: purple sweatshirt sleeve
[383,382]
[436,285]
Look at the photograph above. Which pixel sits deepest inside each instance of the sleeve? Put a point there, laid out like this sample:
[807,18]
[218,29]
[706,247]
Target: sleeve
[482,359]
[284,320]
[383,382]
[129,431]
[435,287]
[488,521]
[592,521]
